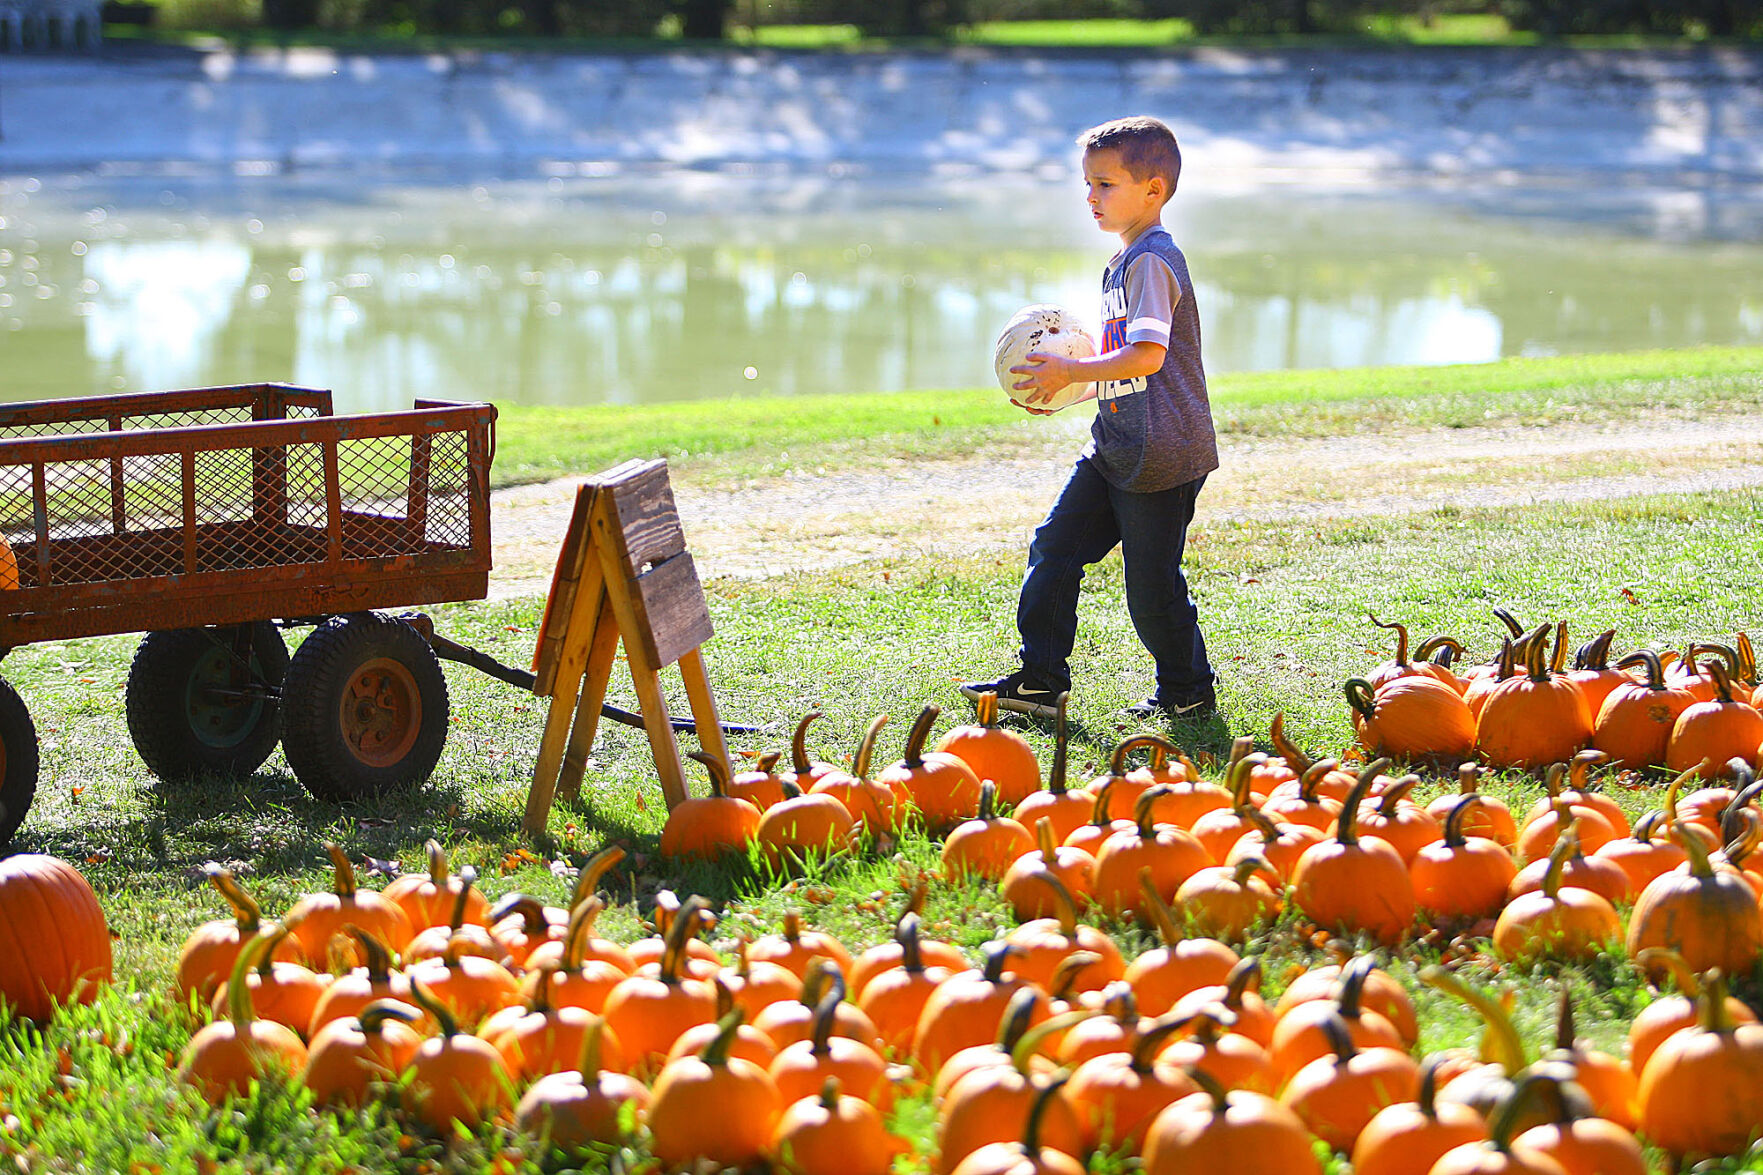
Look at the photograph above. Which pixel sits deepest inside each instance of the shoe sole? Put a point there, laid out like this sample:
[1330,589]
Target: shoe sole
[1015,705]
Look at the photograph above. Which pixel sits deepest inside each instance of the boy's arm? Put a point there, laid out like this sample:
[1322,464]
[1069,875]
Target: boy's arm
[1045,373]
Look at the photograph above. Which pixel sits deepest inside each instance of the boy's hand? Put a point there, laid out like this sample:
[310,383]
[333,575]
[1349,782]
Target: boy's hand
[1044,374]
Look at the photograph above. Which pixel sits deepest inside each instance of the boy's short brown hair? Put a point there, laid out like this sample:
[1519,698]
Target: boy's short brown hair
[1147,147]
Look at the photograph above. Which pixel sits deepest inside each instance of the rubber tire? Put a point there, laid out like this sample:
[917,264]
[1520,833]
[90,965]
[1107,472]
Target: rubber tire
[318,682]
[18,786]
[159,705]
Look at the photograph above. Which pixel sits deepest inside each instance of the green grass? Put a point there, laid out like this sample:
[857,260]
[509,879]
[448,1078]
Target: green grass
[763,435]
[1283,607]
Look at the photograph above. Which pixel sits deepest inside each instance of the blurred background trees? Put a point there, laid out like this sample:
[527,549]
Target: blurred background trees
[724,20]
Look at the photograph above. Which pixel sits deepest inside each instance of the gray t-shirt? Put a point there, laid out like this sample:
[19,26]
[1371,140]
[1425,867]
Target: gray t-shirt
[1155,432]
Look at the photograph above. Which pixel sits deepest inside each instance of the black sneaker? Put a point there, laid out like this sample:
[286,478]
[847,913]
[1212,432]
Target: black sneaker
[1016,692]
[1152,710]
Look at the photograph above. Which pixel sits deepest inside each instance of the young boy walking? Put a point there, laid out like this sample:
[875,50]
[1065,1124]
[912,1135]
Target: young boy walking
[1150,449]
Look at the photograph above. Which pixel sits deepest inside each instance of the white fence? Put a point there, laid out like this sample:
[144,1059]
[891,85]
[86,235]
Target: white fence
[50,24]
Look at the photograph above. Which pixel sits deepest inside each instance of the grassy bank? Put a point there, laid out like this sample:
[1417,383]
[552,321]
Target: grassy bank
[760,435]
[1284,610]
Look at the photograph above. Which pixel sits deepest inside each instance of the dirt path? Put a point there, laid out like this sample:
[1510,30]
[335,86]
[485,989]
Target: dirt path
[969,505]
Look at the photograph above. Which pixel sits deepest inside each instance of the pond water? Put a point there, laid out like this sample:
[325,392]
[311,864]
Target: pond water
[636,287]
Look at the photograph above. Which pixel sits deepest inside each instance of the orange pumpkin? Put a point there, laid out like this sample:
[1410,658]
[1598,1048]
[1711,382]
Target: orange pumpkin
[352,1055]
[804,772]
[873,805]
[1708,735]
[710,826]
[1043,944]
[1338,1094]
[942,788]
[208,954]
[1029,1156]
[1280,845]
[1702,1089]
[1500,1153]
[1166,973]
[1709,916]
[1634,723]
[1301,1034]
[713,1107]
[1668,1014]
[965,1009]
[987,845]
[1608,1082]
[348,995]
[286,993]
[894,999]
[225,1057]
[993,753]
[1556,920]
[1023,886]
[801,1067]
[1646,853]
[456,1079]
[1170,854]
[1117,1095]
[991,1103]
[1239,1131]
[316,917]
[1399,821]
[1603,877]
[1411,718]
[1227,901]
[764,786]
[54,942]
[587,1107]
[803,827]
[1533,718]
[1352,883]
[648,1012]
[1491,818]
[1214,1047]
[427,899]
[1462,876]
[1407,1137]
[833,1134]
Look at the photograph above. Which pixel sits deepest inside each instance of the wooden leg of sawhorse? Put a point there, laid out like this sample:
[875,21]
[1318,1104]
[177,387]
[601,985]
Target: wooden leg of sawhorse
[704,715]
[659,725]
[587,713]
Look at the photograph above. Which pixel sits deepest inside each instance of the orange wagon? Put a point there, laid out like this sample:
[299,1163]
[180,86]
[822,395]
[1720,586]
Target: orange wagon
[211,519]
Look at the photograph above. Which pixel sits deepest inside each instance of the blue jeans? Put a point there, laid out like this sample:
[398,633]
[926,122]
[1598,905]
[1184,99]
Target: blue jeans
[1089,519]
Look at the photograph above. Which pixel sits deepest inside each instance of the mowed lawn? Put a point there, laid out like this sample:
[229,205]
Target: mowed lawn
[1284,607]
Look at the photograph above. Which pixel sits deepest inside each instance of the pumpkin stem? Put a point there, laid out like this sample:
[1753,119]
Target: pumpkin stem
[1558,661]
[1162,917]
[1044,840]
[1429,1087]
[579,930]
[1064,904]
[1579,769]
[1350,990]
[246,912]
[439,870]
[799,745]
[1711,1010]
[719,772]
[985,710]
[376,960]
[1510,621]
[866,748]
[1468,778]
[1655,669]
[588,1065]
[1250,864]
[1595,653]
[1061,986]
[1401,638]
[1653,960]
[1509,1116]
[1454,835]
[1099,809]
[531,912]
[1211,1087]
[1502,1042]
[273,932]
[1245,971]
[1347,826]
[988,801]
[1288,750]
[1031,1040]
[1056,774]
[1566,844]
[1698,853]
[1535,657]
[1208,1022]
[911,953]
[1143,809]
[1312,778]
[997,954]
[445,1024]
[715,1054]
[829,1094]
[915,738]
[825,1013]
[593,869]
[684,925]
[374,1016]
[1722,682]
[1440,650]
[1037,1112]
[1145,1047]
[1394,794]
[1117,763]
[343,883]
[238,991]
[467,878]
[1564,1029]
[1334,1028]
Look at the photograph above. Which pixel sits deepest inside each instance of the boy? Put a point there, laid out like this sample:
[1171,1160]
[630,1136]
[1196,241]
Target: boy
[1151,445]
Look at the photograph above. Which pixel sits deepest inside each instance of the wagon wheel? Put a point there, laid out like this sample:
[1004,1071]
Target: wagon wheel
[18,761]
[364,708]
[202,701]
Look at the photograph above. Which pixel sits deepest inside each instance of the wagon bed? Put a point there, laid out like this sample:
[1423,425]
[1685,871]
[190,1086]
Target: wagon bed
[224,505]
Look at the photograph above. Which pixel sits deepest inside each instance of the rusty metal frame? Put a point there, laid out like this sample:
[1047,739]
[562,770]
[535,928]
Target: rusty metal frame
[358,559]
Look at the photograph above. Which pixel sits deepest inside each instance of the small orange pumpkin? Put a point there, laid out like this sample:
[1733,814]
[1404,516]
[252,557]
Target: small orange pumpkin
[714,1106]
[711,826]
[576,1110]
[993,753]
[987,845]
[316,917]
[225,1057]
[54,942]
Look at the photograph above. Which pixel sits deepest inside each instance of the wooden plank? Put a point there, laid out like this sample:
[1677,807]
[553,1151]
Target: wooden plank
[704,715]
[587,712]
[644,677]
[573,671]
[189,514]
[670,607]
[647,521]
[575,555]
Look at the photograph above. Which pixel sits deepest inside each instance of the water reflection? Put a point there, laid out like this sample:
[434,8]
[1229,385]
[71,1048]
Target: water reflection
[685,285]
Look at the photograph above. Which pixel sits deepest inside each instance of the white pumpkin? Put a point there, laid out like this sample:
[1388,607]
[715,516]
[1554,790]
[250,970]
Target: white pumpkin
[1042,327]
